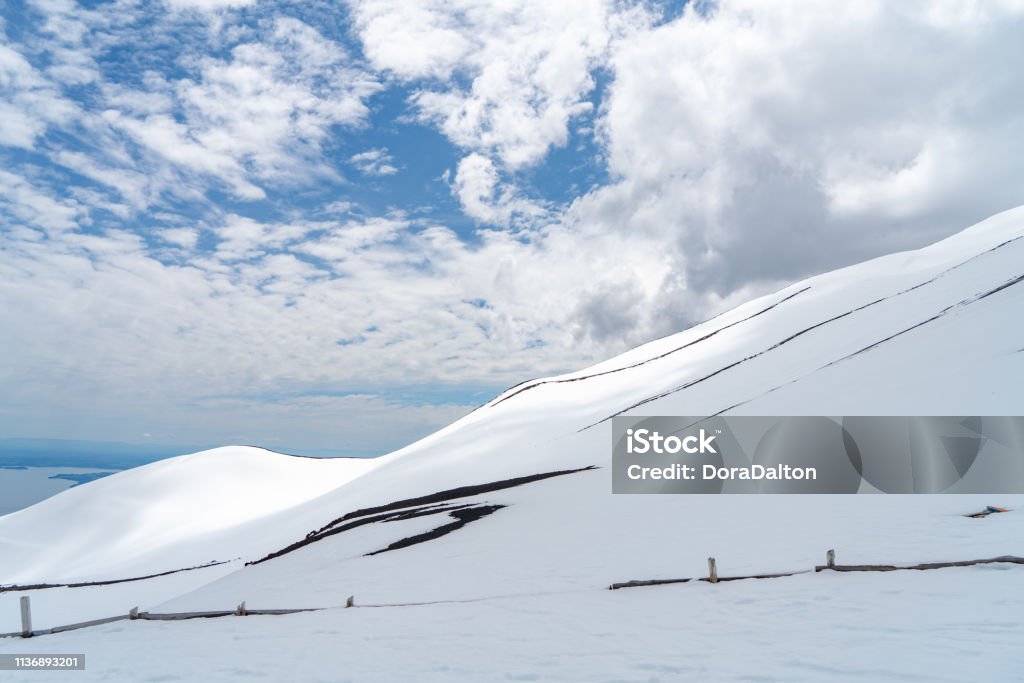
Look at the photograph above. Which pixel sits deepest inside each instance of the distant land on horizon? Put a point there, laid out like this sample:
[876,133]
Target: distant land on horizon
[80,478]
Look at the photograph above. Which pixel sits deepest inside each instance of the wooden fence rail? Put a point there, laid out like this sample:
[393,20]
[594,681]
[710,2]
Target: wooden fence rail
[1010,559]
[157,616]
[706,579]
[830,565]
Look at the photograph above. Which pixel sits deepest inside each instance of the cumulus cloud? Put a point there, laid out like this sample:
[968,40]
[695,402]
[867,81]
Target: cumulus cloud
[500,80]
[770,144]
[484,197]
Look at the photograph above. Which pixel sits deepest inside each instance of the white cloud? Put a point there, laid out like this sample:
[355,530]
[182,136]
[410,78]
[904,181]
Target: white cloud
[207,5]
[412,39]
[18,128]
[127,182]
[15,71]
[72,67]
[244,238]
[186,238]
[30,103]
[259,116]
[475,183]
[528,65]
[35,206]
[374,162]
[484,198]
[341,242]
[175,143]
[255,116]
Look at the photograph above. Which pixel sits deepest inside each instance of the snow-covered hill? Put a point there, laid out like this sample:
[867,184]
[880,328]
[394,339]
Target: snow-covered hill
[126,524]
[515,500]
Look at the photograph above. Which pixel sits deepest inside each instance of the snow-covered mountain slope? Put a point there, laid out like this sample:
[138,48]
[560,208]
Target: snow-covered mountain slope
[131,523]
[515,498]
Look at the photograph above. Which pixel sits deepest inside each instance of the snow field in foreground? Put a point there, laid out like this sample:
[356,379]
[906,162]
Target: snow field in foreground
[950,625]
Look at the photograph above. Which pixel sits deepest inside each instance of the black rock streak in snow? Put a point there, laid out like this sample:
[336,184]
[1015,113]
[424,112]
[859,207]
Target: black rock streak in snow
[940,314]
[645,361]
[889,338]
[462,518]
[108,582]
[413,507]
[687,385]
[962,263]
[315,536]
[391,517]
[943,312]
[1009,283]
[459,492]
[421,512]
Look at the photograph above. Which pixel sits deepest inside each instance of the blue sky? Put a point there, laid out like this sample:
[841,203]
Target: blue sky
[340,226]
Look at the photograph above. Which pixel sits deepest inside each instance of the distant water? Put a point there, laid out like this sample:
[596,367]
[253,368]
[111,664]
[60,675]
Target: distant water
[22,487]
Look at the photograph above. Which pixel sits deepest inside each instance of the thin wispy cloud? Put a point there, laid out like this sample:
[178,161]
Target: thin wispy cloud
[374,162]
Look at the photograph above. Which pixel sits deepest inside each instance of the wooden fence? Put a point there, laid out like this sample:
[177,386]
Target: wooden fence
[712,577]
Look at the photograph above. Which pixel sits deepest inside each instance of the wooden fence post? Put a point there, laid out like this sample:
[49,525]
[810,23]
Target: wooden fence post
[133,613]
[26,618]
[830,559]
[712,571]
[240,610]
[351,602]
